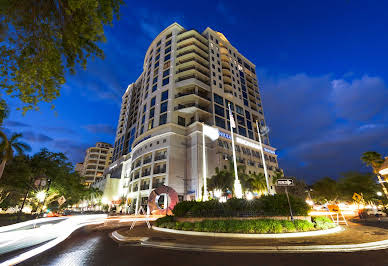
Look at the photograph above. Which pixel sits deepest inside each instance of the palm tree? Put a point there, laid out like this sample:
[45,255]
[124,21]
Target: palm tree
[223,180]
[375,160]
[7,147]
[258,182]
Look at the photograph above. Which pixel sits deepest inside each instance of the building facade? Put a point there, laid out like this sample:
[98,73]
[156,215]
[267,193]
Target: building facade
[188,78]
[97,158]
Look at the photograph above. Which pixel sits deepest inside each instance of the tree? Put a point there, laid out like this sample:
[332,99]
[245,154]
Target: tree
[41,40]
[258,182]
[7,147]
[4,111]
[355,182]
[223,180]
[375,160]
[325,190]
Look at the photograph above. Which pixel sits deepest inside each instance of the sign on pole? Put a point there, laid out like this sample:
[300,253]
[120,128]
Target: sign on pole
[287,182]
[284,182]
[61,200]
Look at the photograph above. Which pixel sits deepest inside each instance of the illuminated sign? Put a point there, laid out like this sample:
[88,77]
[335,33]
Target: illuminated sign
[224,135]
[268,150]
[247,143]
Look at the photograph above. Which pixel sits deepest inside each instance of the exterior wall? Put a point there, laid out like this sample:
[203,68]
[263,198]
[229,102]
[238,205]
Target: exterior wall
[188,79]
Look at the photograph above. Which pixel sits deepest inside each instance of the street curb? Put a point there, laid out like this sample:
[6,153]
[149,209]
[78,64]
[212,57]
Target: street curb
[144,241]
[254,236]
[270,249]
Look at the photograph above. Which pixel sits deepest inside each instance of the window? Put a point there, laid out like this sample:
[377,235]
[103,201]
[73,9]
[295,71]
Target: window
[153,100]
[164,96]
[181,121]
[219,110]
[239,110]
[249,125]
[157,57]
[219,77]
[220,122]
[168,43]
[163,120]
[154,87]
[167,57]
[166,81]
[155,80]
[220,85]
[166,73]
[159,43]
[214,82]
[218,99]
[250,134]
[213,66]
[145,108]
[143,119]
[247,115]
[141,130]
[167,50]
[163,107]
[240,120]
[242,131]
[152,113]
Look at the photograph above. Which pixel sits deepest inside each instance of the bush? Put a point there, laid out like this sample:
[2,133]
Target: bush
[271,205]
[165,219]
[288,226]
[181,208]
[303,225]
[187,226]
[322,222]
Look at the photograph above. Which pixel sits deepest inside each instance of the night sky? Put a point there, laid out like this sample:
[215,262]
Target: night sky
[322,68]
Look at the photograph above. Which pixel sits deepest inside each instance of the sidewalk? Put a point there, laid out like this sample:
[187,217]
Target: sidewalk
[355,233]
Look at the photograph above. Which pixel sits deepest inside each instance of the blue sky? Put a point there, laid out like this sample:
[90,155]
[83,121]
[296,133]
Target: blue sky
[322,68]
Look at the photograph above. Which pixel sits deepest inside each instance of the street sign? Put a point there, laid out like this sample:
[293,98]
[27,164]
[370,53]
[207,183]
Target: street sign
[333,208]
[284,182]
[61,200]
[357,197]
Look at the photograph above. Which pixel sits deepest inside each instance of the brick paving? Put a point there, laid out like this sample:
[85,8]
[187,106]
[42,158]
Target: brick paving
[355,233]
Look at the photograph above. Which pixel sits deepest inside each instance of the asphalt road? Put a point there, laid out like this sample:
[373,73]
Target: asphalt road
[95,247]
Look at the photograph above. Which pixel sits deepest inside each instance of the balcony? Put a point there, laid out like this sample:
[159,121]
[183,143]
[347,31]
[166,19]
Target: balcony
[147,160]
[160,170]
[146,173]
[190,82]
[138,164]
[137,175]
[136,188]
[192,70]
[191,108]
[158,184]
[190,53]
[189,34]
[192,92]
[191,61]
[160,157]
[145,187]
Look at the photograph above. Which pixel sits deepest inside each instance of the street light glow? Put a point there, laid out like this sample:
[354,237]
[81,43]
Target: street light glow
[41,195]
[379,193]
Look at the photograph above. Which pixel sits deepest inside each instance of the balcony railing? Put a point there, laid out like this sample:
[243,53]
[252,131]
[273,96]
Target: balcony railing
[195,77]
[191,60]
[145,187]
[181,94]
[158,184]
[146,173]
[160,157]
[189,52]
[182,106]
[136,176]
[193,68]
[147,160]
[160,170]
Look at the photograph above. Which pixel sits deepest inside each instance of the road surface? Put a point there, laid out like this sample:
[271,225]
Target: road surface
[90,246]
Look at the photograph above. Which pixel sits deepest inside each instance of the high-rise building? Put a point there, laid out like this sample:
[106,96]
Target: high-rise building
[188,78]
[96,160]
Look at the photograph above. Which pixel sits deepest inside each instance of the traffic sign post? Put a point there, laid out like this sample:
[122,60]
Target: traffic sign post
[286,183]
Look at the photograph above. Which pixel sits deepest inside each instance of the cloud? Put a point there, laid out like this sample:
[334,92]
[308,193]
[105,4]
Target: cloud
[318,134]
[11,123]
[36,137]
[359,99]
[64,130]
[73,150]
[101,129]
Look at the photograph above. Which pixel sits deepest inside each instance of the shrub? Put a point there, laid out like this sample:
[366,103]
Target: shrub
[303,225]
[165,219]
[182,208]
[178,225]
[275,205]
[322,222]
[275,226]
[288,226]
[187,226]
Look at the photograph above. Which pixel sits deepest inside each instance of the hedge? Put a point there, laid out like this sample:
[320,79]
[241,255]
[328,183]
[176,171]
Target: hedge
[271,205]
[260,226]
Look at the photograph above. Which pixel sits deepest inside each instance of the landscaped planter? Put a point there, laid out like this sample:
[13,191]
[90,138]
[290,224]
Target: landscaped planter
[200,219]
[252,236]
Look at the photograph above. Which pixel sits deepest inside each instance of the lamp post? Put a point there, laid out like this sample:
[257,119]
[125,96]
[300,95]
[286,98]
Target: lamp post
[262,156]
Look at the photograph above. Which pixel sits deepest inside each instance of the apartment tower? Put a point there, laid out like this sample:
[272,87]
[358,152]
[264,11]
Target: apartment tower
[188,78]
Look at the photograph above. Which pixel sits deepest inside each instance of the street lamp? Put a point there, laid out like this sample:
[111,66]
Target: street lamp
[41,195]
[379,193]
